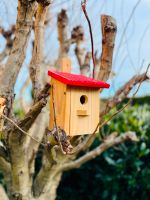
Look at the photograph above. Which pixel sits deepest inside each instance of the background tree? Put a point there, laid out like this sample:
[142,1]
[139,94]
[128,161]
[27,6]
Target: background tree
[22,135]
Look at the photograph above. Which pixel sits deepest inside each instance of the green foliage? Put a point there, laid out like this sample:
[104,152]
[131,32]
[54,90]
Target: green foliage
[136,118]
[122,172]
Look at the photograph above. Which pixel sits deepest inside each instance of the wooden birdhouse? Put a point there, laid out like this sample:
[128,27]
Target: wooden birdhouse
[76,101]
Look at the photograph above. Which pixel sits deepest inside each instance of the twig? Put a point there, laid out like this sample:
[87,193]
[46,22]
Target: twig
[122,93]
[83,5]
[11,121]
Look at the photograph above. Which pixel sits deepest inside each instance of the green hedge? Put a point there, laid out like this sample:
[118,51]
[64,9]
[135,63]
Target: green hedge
[121,173]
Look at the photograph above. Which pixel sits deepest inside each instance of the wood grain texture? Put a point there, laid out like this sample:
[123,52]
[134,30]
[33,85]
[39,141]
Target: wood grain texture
[84,124]
[59,95]
[65,64]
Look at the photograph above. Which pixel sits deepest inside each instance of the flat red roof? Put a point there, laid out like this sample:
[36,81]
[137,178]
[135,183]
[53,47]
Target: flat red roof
[77,80]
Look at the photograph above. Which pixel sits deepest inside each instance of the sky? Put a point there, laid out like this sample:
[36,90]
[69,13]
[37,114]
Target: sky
[132,49]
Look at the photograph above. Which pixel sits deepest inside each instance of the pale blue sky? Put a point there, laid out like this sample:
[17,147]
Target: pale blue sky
[131,48]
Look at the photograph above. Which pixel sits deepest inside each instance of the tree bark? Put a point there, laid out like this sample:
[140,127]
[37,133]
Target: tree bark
[109,30]
[52,186]
[36,71]
[23,28]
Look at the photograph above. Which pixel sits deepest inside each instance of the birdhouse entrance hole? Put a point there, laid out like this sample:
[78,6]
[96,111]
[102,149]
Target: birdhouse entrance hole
[83,99]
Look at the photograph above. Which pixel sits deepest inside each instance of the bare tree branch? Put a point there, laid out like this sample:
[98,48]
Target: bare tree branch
[17,55]
[3,194]
[77,37]
[62,26]
[83,5]
[35,110]
[109,29]
[4,54]
[37,131]
[50,189]
[3,153]
[31,116]
[85,70]
[19,157]
[45,176]
[36,71]
[122,93]
[23,104]
[110,142]
[5,168]
[9,41]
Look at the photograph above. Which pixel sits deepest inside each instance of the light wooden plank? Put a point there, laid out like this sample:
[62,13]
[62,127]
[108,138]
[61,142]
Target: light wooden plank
[59,93]
[95,104]
[67,112]
[80,124]
[65,64]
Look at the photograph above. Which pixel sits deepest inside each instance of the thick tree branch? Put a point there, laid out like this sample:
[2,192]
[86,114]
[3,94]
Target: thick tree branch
[109,29]
[5,168]
[9,41]
[122,93]
[3,194]
[4,54]
[37,131]
[42,178]
[31,116]
[62,27]
[85,70]
[110,142]
[21,188]
[51,188]
[36,71]
[19,168]
[46,175]
[53,159]
[35,110]
[77,37]
[4,153]
[23,104]
[17,55]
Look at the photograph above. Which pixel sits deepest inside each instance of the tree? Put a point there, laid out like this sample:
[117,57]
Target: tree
[22,139]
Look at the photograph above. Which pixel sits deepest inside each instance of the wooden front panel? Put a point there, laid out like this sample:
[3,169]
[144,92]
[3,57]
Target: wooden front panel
[84,116]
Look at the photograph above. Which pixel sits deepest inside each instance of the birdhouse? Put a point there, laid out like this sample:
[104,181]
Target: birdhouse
[76,101]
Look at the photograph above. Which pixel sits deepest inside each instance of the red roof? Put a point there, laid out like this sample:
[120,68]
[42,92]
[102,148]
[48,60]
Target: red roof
[77,80]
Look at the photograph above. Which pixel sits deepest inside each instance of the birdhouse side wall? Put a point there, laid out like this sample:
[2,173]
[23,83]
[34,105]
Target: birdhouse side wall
[60,95]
